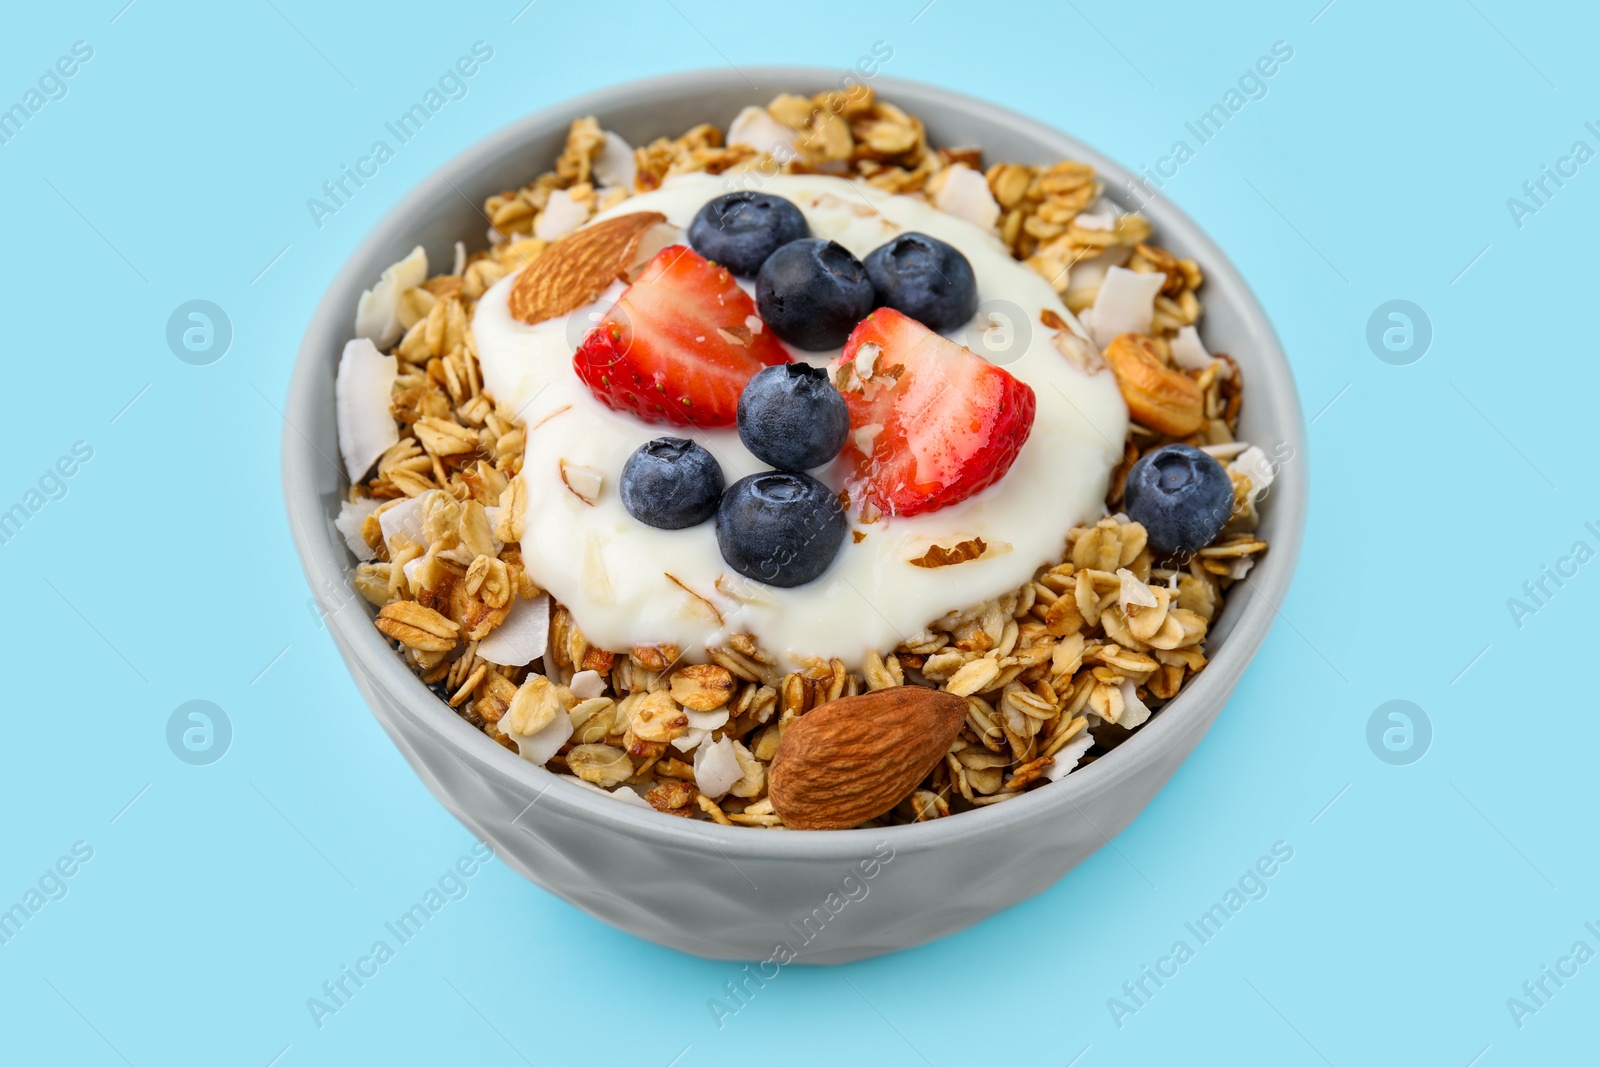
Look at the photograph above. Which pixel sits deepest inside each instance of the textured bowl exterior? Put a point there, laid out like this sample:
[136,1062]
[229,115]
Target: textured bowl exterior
[735,892]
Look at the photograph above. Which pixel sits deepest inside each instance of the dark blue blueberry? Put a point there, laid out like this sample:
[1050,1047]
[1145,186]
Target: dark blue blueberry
[1181,496]
[671,483]
[740,230]
[792,417]
[811,293]
[780,527]
[925,279]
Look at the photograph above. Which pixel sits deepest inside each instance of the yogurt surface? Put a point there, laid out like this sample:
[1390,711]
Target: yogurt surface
[629,584]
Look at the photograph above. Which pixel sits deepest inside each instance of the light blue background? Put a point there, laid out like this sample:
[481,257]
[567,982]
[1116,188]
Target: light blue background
[1377,167]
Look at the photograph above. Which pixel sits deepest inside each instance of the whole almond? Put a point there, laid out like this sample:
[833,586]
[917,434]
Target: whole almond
[854,758]
[577,268]
[1166,400]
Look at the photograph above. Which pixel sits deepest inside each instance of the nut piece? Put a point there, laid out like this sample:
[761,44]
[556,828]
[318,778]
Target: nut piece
[854,758]
[576,269]
[1166,400]
[702,687]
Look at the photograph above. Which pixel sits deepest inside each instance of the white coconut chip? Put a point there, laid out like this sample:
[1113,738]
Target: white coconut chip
[1241,568]
[1254,464]
[1134,711]
[522,637]
[755,127]
[707,720]
[406,518]
[1089,273]
[628,796]
[560,216]
[539,746]
[689,741]
[460,265]
[1134,591]
[1067,759]
[716,768]
[351,514]
[614,167]
[1098,219]
[378,310]
[1126,303]
[965,194]
[1188,352]
[586,685]
[361,402]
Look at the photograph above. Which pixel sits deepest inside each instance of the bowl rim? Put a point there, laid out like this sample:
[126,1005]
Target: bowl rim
[323,555]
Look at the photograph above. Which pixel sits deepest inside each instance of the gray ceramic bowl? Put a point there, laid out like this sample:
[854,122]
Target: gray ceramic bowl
[736,892]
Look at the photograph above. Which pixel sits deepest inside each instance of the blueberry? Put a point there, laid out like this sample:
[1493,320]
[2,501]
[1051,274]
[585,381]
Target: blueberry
[792,417]
[740,230]
[1181,496]
[671,483]
[812,293]
[780,527]
[925,279]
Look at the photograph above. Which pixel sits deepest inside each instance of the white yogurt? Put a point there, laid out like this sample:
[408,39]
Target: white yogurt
[629,584]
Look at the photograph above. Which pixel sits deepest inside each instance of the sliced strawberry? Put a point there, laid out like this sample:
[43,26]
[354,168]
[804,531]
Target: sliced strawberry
[678,346]
[951,422]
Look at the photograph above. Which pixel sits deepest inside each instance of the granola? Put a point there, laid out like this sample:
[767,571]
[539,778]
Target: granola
[1055,673]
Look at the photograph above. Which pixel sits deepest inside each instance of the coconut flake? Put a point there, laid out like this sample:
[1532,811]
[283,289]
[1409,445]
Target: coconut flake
[406,518]
[522,637]
[614,167]
[1241,567]
[628,796]
[1134,711]
[756,128]
[707,720]
[965,194]
[1188,352]
[1254,464]
[1099,219]
[545,742]
[586,685]
[716,768]
[351,515]
[687,742]
[754,324]
[361,401]
[460,265]
[1067,759]
[560,216]
[1126,303]
[1090,272]
[378,310]
[1134,591]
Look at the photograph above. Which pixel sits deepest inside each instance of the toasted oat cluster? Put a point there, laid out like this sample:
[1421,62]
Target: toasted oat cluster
[1054,674]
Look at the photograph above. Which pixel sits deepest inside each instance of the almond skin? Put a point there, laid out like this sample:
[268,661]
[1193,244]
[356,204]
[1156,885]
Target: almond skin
[577,268]
[1166,400]
[854,758]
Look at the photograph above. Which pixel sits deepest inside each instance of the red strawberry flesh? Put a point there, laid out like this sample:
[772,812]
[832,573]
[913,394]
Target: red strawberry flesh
[951,422]
[678,346]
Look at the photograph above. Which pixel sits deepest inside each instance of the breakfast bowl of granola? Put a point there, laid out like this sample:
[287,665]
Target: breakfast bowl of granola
[734,502]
